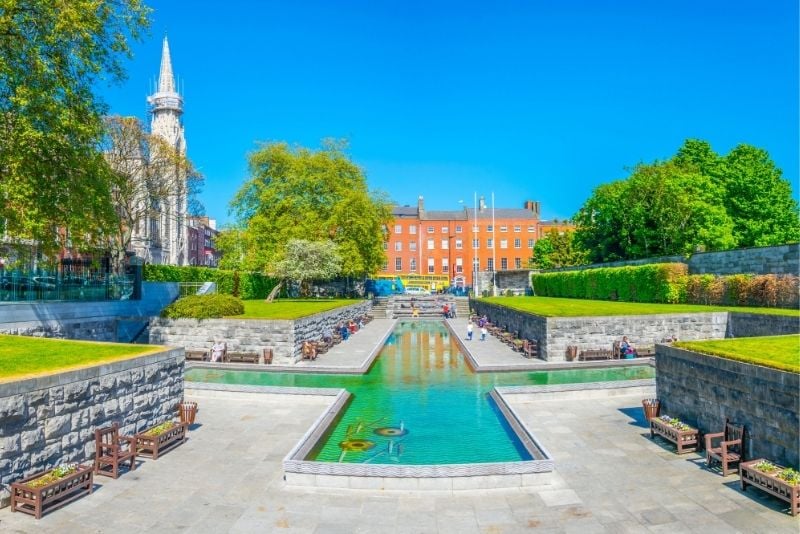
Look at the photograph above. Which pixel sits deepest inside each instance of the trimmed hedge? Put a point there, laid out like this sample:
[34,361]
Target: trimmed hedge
[669,283]
[656,282]
[246,285]
[204,307]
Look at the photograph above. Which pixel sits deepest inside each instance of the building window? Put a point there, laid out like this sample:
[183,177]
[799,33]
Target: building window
[413,265]
[385,265]
[430,244]
[398,229]
[517,243]
[459,244]
[504,228]
[530,243]
[458,229]
[504,264]
[459,265]
[431,266]
[412,229]
[445,265]
[430,229]
[475,229]
[412,246]
[445,229]
[398,264]
[445,245]
[504,243]
[490,243]
[398,246]
[517,228]
[476,243]
[490,228]
[518,263]
[385,245]
[490,264]
[531,228]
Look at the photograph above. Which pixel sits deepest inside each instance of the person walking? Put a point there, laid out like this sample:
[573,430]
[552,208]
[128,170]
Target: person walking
[484,331]
[469,331]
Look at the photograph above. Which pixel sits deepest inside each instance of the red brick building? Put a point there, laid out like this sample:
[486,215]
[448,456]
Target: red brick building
[459,243]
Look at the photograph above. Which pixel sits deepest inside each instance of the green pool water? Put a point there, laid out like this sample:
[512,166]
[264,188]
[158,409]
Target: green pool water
[420,403]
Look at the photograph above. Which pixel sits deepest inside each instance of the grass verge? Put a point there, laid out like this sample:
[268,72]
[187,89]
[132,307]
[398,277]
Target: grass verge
[289,308]
[25,357]
[778,352]
[561,307]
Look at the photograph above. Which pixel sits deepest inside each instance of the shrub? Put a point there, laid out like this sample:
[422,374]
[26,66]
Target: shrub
[246,285]
[204,307]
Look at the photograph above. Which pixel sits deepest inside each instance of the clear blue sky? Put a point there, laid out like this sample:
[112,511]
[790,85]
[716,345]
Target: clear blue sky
[540,100]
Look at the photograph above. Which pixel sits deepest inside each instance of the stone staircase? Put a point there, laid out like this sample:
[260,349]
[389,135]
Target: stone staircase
[380,308]
[429,306]
[462,307]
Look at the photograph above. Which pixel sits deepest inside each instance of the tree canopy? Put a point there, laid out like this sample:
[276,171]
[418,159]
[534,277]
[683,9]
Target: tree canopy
[695,201]
[52,53]
[311,195]
[557,249]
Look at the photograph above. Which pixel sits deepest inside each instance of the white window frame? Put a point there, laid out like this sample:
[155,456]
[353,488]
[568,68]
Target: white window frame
[398,246]
[459,244]
[517,242]
[445,244]
[412,246]
[398,228]
[503,243]
[398,264]
[431,244]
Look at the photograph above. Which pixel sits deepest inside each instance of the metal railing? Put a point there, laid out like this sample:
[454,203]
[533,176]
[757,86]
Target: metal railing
[20,286]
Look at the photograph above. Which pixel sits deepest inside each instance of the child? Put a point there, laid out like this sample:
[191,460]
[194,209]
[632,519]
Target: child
[484,331]
[469,330]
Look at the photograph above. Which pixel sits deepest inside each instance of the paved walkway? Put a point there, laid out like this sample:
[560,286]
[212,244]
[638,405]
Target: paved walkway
[610,477]
[355,354]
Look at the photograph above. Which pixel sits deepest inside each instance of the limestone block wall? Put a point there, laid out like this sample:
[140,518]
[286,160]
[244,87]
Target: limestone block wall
[50,420]
[555,334]
[283,337]
[703,390]
[781,259]
[118,320]
[752,325]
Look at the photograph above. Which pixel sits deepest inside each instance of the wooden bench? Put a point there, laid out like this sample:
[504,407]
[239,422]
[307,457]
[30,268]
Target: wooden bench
[750,476]
[594,354]
[685,440]
[249,356]
[726,447]
[199,355]
[530,348]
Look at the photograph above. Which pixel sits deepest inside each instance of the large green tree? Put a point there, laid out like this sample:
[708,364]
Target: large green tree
[52,54]
[557,249]
[313,195]
[304,261]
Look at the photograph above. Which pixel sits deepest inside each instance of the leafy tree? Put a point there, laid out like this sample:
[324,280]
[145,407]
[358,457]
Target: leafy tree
[51,56]
[558,249]
[298,193]
[304,261]
[759,199]
[147,173]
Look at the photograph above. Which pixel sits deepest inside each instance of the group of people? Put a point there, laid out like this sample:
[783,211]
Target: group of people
[482,322]
[448,312]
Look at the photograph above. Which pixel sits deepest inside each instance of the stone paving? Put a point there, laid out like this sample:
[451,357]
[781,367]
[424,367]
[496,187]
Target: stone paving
[610,477]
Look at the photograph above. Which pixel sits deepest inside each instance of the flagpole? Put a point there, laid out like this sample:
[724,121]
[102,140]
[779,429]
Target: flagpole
[475,282]
[494,254]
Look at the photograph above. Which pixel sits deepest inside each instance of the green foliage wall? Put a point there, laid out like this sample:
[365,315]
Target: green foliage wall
[204,307]
[669,282]
[240,284]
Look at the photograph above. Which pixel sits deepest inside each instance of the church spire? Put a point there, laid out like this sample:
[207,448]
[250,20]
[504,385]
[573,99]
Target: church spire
[166,81]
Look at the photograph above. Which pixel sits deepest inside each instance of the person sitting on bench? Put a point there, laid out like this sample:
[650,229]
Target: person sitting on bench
[626,349]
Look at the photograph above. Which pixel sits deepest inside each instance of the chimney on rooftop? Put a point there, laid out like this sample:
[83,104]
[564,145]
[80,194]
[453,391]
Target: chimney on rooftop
[481,203]
[533,207]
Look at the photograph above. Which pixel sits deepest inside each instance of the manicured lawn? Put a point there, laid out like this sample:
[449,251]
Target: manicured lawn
[780,352]
[25,357]
[289,308]
[559,307]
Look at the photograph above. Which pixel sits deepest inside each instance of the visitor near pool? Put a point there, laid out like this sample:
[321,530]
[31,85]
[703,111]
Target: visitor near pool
[217,350]
[469,330]
[626,349]
[484,331]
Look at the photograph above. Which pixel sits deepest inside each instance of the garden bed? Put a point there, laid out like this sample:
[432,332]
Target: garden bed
[765,476]
[50,490]
[160,438]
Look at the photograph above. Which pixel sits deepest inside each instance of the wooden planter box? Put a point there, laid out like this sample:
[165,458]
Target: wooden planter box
[771,484]
[37,501]
[152,446]
[685,440]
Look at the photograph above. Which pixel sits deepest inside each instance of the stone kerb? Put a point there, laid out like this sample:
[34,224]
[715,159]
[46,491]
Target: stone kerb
[703,390]
[50,420]
[754,325]
[284,337]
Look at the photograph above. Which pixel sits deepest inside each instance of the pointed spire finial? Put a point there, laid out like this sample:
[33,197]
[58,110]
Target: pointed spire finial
[166,81]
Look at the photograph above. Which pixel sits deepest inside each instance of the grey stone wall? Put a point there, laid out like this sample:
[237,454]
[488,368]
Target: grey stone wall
[555,334]
[517,280]
[48,421]
[98,321]
[283,337]
[753,325]
[781,259]
[703,390]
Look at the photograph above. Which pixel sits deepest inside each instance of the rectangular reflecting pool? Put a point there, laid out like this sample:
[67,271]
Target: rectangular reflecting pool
[420,403]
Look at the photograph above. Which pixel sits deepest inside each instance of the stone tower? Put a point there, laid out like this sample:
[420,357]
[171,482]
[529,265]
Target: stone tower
[167,227]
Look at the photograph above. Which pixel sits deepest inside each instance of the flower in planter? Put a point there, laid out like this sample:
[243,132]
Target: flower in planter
[54,474]
[787,474]
[160,429]
[766,467]
[790,476]
[674,422]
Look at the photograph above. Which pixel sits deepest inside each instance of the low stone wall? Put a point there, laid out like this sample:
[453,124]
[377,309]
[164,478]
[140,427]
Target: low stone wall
[50,420]
[703,390]
[283,337]
[780,259]
[555,334]
[118,320]
[753,325]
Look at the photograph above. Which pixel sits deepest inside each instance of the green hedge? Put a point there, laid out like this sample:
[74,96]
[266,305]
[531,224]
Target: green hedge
[656,282]
[669,283]
[239,284]
[204,307]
